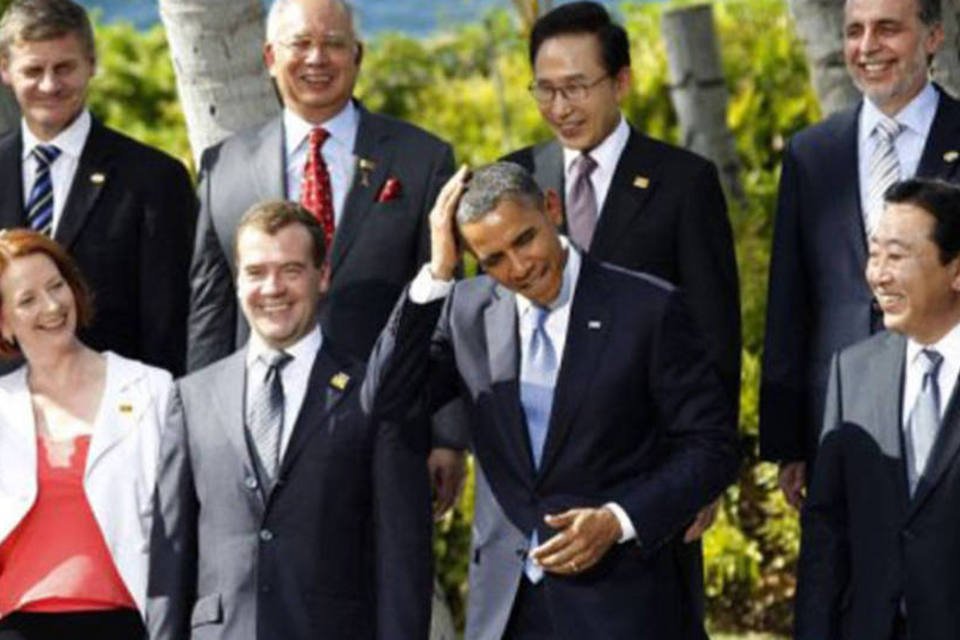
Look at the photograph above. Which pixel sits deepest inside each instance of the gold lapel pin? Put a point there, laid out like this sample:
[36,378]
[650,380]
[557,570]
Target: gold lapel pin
[366,166]
[339,381]
[126,407]
[641,182]
[98,178]
[951,156]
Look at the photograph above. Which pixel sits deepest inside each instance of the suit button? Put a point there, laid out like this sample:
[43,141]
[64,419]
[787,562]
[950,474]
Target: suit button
[266,535]
[250,482]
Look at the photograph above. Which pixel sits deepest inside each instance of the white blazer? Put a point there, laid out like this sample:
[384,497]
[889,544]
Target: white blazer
[121,464]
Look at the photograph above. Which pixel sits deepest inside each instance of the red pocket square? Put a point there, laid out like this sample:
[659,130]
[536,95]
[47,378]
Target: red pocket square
[391,190]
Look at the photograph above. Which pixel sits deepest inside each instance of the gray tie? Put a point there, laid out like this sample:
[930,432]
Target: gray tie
[924,421]
[265,415]
[582,207]
[884,169]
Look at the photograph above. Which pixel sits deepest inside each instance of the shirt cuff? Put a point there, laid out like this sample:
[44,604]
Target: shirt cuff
[425,288]
[627,532]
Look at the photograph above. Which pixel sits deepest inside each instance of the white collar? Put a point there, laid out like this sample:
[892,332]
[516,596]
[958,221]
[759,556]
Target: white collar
[571,272]
[70,141]
[305,347]
[917,115]
[341,127]
[948,346]
[606,154]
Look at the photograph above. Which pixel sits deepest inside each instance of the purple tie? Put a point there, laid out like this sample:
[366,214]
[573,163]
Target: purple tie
[582,207]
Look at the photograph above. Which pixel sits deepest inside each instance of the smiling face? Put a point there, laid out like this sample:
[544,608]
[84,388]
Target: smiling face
[314,57]
[886,47]
[278,283]
[37,306]
[919,295]
[518,246]
[49,79]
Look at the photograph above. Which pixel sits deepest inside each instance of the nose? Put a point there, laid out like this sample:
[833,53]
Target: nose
[868,41]
[51,303]
[877,272]
[317,54]
[560,105]
[519,268]
[49,82]
[272,284]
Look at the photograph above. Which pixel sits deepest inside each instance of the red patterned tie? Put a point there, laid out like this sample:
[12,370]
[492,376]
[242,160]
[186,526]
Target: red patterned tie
[316,195]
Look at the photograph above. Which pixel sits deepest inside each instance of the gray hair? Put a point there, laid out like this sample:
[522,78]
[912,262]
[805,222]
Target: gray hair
[494,183]
[277,7]
[39,20]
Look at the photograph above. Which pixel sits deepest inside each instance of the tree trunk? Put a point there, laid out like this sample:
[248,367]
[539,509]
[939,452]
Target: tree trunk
[216,50]
[9,112]
[699,92]
[819,24]
[946,65]
[530,10]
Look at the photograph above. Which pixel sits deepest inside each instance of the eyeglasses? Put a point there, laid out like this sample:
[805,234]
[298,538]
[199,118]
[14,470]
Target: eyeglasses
[545,93]
[333,45]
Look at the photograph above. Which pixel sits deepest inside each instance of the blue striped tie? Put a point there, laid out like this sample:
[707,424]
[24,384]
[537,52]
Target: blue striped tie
[40,204]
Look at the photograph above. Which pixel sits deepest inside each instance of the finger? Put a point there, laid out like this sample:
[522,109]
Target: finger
[561,520]
[553,545]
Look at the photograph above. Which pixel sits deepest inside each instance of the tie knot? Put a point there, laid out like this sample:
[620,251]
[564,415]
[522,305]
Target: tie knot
[538,316]
[45,154]
[931,361]
[318,136]
[888,129]
[276,359]
[585,164]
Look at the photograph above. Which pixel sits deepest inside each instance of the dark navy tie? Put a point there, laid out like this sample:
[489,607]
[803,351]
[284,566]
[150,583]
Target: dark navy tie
[40,203]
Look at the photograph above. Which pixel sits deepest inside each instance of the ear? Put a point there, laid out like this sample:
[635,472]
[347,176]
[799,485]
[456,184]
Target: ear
[5,70]
[269,56]
[553,207]
[358,56]
[323,286]
[621,82]
[954,267]
[934,39]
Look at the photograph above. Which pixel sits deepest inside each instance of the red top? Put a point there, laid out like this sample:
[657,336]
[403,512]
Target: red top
[56,559]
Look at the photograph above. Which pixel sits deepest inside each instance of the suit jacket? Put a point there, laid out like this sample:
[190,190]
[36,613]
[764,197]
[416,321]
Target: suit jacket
[639,418]
[340,548]
[377,247]
[128,222]
[867,545]
[121,462]
[819,301]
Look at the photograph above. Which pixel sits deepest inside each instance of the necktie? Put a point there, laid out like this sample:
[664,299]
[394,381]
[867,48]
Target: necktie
[884,168]
[538,377]
[924,421]
[40,203]
[316,194]
[265,415]
[582,207]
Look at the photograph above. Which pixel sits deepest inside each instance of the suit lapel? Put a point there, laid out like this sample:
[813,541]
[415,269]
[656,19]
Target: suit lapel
[886,383]
[940,157]
[93,173]
[321,399]
[372,147]
[941,456]
[626,196]
[227,400]
[123,405]
[845,173]
[267,162]
[500,327]
[11,194]
[587,333]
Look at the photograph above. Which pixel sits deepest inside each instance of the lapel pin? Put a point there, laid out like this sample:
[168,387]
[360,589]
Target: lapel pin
[641,182]
[951,156]
[339,381]
[97,178]
[126,407]
[594,324]
[366,166]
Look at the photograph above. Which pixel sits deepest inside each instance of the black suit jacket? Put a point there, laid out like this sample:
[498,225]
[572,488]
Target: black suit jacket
[128,222]
[639,418]
[867,544]
[339,549]
[377,247]
[674,226]
[819,301]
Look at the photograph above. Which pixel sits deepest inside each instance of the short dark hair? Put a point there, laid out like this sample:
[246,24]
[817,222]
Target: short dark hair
[578,18]
[493,183]
[19,243]
[38,20]
[929,12]
[273,215]
[942,201]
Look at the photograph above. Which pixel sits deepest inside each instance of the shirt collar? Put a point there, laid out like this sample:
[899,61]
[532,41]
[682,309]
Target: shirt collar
[916,116]
[606,154]
[70,141]
[305,347]
[341,127]
[948,346]
[571,272]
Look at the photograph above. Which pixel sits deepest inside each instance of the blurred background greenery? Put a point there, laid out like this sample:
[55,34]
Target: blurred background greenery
[468,85]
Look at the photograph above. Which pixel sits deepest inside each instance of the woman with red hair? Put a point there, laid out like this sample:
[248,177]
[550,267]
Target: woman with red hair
[79,434]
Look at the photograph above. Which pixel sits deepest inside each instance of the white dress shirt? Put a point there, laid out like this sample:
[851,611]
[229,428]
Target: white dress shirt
[425,288]
[949,347]
[337,152]
[294,376]
[916,119]
[70,141]
[606,155]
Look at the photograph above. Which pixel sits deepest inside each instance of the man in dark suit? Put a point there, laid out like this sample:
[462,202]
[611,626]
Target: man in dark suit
[832,178]
[380,177]
[281,510]
[649,206]
[599,422]
[881,535]
[125,211]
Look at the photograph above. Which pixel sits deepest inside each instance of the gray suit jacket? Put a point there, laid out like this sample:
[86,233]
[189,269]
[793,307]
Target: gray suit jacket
[339,549]
[867,544]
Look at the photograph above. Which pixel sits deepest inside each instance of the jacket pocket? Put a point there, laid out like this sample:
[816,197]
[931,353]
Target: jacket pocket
[207,610]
